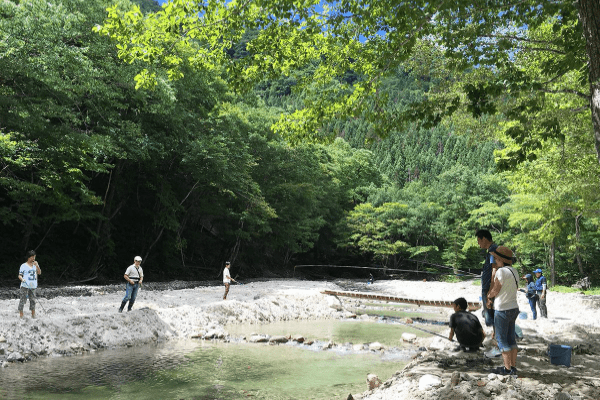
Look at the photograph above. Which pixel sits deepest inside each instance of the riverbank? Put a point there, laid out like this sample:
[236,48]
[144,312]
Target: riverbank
[85,319]
[441,373]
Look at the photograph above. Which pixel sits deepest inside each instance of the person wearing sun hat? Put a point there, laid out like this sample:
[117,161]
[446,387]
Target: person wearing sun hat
[540,286]
[504,292]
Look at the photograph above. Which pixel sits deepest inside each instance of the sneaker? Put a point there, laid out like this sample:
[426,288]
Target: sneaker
[501,371]
[495,352]
[513,370]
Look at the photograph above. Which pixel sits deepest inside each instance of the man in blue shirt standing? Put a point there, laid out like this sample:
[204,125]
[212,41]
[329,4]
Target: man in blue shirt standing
[541,285]
[484,240]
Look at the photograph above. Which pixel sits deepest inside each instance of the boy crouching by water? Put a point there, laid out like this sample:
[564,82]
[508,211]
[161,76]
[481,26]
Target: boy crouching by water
[468,329]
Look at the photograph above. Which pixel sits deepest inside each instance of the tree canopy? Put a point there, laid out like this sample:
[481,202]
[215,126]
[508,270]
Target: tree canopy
[372,39]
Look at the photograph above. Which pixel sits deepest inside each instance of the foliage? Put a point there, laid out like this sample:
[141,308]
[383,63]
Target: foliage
[372,40]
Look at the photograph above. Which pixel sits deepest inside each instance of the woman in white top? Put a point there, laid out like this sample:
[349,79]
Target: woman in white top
[504,291]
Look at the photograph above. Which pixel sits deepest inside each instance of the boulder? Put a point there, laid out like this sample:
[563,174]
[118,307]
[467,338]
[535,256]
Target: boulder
[15,356]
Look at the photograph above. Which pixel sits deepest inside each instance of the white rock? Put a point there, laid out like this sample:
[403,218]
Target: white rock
[409,337]
[375,346]
[278,339]
[16,356]
[428,382]
[258,339]
[438,344]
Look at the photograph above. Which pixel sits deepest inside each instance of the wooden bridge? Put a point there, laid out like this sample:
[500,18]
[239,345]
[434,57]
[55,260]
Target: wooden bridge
[471,306]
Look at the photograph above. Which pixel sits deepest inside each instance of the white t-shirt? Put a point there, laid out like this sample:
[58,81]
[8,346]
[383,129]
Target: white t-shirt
[134,273]
[506,299]
[29,275]
[226,276]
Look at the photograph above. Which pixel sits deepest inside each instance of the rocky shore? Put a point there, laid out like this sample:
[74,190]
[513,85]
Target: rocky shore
[77,320]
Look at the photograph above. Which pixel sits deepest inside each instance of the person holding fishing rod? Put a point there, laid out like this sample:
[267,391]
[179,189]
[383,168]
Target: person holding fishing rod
[28,274]
[227,279]
[134,275]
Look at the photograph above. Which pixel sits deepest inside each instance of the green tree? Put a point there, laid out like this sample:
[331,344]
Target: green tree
[371,39]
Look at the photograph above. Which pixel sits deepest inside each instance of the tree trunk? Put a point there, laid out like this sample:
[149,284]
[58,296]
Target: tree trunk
[551,262]
[577,241]
[103,229]
[589,16]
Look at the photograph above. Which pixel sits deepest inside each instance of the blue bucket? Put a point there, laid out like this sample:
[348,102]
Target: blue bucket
[522,315]
[560,354]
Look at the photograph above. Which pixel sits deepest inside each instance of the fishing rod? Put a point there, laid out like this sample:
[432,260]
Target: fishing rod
[463,273]
[29,287]
[421,329]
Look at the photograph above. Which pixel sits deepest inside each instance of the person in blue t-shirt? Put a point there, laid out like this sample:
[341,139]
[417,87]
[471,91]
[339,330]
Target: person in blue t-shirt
[531,294]
[541,287]
[28,274]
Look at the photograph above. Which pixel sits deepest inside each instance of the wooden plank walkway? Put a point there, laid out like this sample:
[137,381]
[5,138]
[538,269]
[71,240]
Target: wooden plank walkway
[472,306]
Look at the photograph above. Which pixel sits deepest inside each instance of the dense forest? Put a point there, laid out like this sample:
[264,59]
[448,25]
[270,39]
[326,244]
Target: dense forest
[103,158]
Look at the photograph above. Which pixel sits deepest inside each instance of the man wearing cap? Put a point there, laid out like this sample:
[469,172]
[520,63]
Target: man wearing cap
[531,294]
[540,286]
[484,240]
[134,275]
[227,279]
[504,292]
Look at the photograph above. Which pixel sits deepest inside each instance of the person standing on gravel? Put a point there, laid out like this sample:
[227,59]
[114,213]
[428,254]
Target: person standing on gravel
[531,294]
[227,279]
[28,274]
[504,290]
[541,285]
[484,240]
[134,275]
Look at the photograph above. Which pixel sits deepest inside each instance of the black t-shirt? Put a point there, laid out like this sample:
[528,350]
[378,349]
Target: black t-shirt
[467,328]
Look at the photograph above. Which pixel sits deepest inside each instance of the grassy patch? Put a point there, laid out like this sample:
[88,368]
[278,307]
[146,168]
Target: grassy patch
[568,289]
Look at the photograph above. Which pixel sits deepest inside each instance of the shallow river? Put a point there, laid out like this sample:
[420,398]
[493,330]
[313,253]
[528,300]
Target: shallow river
[189,369]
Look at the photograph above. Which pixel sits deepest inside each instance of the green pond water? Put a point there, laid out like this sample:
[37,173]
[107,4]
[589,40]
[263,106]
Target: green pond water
[215,370]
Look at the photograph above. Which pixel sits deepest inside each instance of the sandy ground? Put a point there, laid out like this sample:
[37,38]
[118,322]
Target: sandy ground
[72,325]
